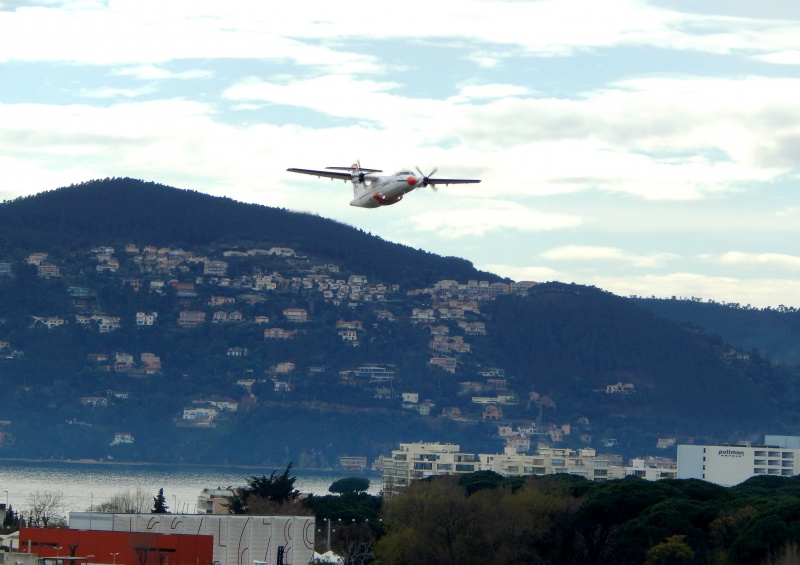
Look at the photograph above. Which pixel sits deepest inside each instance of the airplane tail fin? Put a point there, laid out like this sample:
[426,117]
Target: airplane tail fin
[357,178]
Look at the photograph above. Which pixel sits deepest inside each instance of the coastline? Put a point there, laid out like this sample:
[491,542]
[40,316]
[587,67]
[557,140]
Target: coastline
[181,465]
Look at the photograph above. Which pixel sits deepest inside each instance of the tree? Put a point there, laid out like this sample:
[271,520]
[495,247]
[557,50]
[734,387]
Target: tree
[127,502]
[672,551]
[264,495]
[44,507]
[159,503]
[11,520]
[349,484]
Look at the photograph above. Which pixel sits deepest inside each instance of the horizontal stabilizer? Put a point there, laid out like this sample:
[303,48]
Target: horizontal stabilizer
[351,168]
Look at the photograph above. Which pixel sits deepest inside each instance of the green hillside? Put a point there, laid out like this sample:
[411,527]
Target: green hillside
[130,311]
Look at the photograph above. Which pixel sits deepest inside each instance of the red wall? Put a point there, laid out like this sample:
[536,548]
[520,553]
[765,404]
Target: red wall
[183,549]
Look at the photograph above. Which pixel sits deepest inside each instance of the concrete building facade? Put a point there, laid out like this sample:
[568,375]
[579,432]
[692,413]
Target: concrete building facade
[237,539]
[729,465]
[414,461]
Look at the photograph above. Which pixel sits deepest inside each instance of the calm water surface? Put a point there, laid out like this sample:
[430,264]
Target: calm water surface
[84,484]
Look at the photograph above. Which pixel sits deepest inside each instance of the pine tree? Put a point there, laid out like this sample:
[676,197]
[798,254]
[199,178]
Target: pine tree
[159,503]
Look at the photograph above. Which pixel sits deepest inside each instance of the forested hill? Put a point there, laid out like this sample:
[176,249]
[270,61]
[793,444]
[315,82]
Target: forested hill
[120,210]
[577,339]
[775,331]
[147,307]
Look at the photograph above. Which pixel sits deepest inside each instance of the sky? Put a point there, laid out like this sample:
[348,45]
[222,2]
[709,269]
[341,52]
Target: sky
[649,148]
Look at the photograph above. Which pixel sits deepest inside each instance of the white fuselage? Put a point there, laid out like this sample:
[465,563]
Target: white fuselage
[378,191]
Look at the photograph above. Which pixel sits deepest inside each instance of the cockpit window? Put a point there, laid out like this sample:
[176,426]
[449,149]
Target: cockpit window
[404,173]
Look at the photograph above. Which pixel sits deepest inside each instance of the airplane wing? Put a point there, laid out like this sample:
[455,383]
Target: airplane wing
[445,182]
[328,174]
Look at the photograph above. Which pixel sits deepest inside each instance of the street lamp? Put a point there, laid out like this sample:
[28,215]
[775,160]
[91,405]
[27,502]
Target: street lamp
[114,555]
[58,551]
[329,533]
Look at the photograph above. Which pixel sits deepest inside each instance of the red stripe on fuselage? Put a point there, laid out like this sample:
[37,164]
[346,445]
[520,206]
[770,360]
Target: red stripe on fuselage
[385,201]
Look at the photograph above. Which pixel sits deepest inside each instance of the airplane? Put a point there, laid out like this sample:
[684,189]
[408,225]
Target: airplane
[371,190]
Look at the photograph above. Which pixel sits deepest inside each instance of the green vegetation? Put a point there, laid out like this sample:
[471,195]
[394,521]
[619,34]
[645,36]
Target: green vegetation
[160,503]
[350,484]
[266,495]
[563,520]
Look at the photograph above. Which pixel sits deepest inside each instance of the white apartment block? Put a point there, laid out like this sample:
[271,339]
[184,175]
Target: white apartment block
[552,460]
[729,465]
[414,461]
[649,471]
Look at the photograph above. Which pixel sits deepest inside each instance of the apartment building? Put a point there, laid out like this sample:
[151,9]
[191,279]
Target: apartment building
[414,461]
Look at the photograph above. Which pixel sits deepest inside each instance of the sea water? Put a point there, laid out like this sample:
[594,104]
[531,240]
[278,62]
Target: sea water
[85,485]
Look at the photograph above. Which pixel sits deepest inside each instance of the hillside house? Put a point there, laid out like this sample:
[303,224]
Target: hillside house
[282,386]
[446,344]
[200,412]
[224,403]
[146,319]
[150,361]
[48,270]
[350,336]
[446,363]
[423,315]
[106,324]
[452,413]
[36,258]
[619,388]
[296,315]
[410,398]
[519,444]
[94,401]
[221,317]
[374,373]
[191,318]
[215,268]
[121,438]
[49,322]
[279,333]
[107,264]
[473,328]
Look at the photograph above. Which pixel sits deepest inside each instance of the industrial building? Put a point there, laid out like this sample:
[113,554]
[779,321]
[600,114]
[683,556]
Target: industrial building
[175,539]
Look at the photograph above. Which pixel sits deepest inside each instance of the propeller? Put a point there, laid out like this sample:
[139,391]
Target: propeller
[426,178]
[357,166]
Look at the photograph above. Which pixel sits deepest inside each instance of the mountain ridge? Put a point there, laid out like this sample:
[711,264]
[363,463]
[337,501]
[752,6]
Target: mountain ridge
[556,351]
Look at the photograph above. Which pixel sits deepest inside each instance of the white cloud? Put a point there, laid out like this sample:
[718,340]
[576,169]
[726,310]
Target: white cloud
[108,92]
[781,58]
[490,216]
[777,261]
[589,253]
[517,273]
[759,293]
[154,72]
